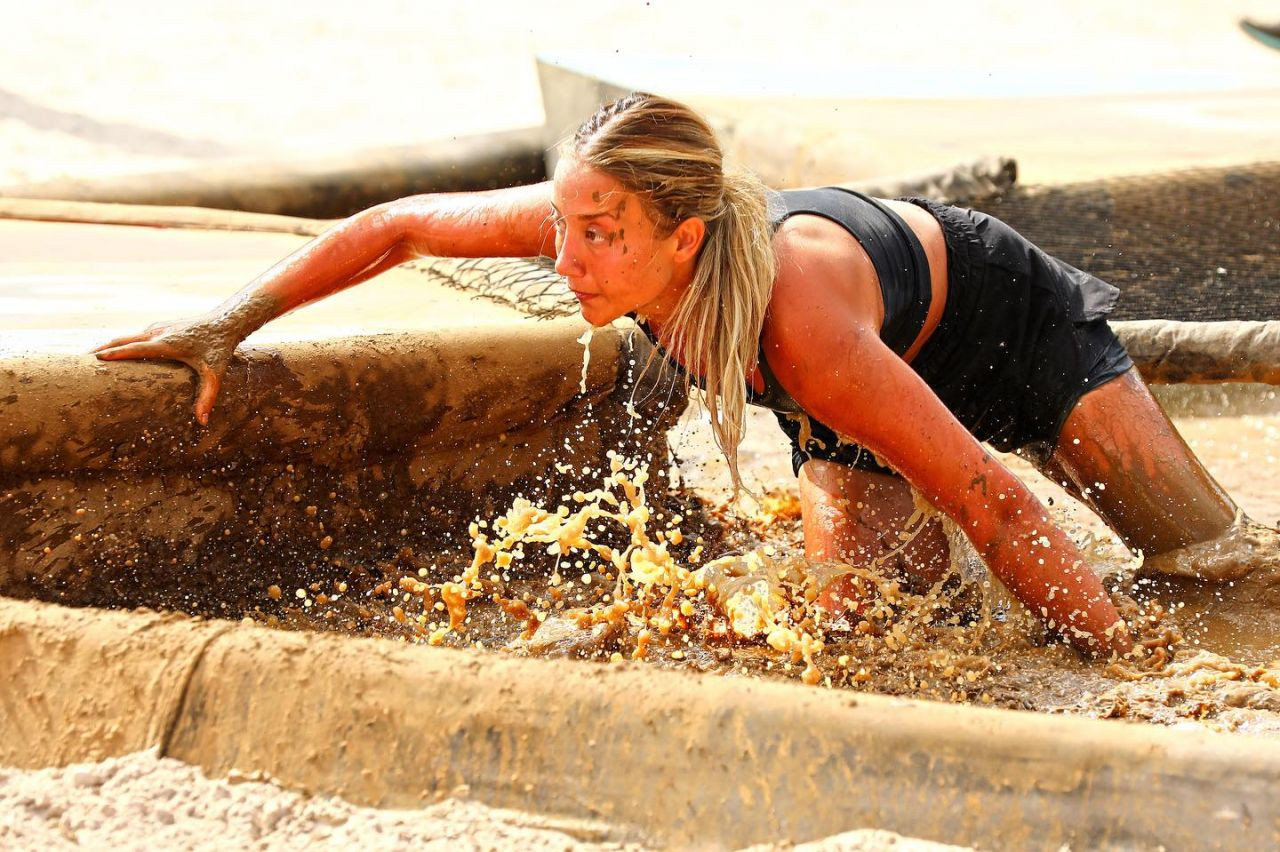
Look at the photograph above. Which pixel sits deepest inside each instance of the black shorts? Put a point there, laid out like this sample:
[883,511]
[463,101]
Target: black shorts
[1023,337]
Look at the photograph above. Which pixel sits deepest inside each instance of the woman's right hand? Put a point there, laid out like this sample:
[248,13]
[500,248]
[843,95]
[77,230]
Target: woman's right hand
[204,344]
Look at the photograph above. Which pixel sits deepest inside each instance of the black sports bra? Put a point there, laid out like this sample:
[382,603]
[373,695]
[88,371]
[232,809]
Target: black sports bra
[897,255]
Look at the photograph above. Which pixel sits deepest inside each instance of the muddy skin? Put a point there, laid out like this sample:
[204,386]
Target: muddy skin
[860,518]
[1122,457]
[205,344]
[1119,453]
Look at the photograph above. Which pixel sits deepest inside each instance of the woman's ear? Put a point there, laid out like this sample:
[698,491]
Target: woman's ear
[689,235]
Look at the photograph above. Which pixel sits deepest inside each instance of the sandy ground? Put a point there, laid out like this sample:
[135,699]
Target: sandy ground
[141,801]
[144,802]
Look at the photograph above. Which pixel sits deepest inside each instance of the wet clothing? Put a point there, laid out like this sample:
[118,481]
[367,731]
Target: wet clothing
[1022,337]
[895,252]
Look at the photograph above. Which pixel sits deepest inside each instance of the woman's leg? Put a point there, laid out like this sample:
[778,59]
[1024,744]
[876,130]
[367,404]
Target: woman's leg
[1127,461]
[858,517]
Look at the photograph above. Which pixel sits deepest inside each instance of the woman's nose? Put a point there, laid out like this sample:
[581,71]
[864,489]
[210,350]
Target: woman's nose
[566,261]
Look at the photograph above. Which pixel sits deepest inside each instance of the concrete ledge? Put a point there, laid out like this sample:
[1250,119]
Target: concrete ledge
[330,401]
[670,758]
[860,128]
[91,685]
[320,454]
[1172,352]
[156,216]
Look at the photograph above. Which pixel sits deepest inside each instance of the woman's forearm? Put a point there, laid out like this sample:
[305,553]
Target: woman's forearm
[352,251]
[498,223]
[1042,566]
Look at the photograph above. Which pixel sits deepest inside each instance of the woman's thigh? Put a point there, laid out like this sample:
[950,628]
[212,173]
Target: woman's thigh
[1127,461]
[860,518]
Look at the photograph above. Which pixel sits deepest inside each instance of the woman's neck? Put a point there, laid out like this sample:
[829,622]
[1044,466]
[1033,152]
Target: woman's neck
[658,313]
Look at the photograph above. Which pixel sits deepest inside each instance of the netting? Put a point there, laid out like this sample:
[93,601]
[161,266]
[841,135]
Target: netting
[1196,245]
[528,284]
[1200,245]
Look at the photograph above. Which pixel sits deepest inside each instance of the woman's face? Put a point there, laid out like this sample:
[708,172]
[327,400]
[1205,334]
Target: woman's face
[607,248]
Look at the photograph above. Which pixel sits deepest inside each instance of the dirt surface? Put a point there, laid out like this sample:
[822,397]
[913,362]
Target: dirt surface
[141,801]
[146,87]
[144,802]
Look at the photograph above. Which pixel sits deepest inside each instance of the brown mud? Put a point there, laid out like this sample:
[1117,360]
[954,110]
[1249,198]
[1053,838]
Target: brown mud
[362,539]
[1210,652]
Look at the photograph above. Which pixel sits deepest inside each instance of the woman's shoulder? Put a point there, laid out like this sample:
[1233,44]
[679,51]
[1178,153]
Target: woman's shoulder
[818,261]
[821,275]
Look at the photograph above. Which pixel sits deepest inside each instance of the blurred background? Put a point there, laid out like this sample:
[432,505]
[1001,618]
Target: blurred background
[1074,121]
[90,89]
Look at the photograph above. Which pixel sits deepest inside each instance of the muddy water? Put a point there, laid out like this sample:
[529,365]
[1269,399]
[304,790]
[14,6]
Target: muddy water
[1212,658]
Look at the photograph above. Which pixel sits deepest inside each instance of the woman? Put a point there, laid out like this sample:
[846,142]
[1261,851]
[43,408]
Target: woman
[907,327]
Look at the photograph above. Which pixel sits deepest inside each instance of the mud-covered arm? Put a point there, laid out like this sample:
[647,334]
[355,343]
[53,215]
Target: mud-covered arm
[511,222]
[500,223]
[830,358]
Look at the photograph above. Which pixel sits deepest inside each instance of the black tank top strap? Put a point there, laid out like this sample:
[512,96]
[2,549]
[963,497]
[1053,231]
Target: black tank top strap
[895,252]
[774,396]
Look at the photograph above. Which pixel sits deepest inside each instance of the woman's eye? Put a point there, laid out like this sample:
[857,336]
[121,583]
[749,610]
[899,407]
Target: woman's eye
[594,235]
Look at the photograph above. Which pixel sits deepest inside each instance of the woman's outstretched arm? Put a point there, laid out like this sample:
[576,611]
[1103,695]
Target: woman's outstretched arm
[827,353]
[499,223]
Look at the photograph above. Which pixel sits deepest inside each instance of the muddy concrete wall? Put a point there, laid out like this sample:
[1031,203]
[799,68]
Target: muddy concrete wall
[318,455]
[669,758]
[1172,352]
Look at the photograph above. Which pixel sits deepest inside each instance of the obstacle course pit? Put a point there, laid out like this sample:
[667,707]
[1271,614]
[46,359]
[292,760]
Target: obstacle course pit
[529,510]
[605,576]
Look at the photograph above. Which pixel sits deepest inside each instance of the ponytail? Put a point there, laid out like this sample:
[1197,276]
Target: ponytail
[716,326]
[668,155]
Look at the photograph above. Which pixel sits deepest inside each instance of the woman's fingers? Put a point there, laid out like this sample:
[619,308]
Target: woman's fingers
[121,341]
[210,384]
[139,349]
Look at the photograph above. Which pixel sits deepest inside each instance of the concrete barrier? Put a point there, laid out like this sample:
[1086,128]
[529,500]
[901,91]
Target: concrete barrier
[107,485]
[668,758]
[321,452]
[1172,352]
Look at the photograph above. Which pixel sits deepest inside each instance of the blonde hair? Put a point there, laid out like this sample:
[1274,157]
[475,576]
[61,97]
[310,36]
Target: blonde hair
[668,156]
